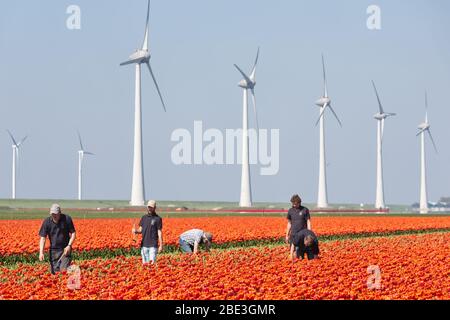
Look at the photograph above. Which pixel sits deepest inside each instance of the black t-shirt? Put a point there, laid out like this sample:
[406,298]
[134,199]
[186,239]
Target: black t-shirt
[298,218]
[58,233]
[150,225]
[298,240]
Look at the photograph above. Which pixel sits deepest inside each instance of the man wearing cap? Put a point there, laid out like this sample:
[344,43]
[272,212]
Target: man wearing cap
[191,239]
[61,232]
[150,227]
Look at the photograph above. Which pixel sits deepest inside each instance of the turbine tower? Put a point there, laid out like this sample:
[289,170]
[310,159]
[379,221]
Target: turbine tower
[81,154]
[424,127]
[323,103]
[380,117]
[139,57]
[248,83]
[15,160]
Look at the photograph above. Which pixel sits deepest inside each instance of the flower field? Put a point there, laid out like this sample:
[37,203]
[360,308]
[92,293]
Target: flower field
[20,237]
[412,267]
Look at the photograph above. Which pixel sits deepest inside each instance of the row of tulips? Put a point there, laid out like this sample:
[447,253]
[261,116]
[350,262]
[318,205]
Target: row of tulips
[402,267]
[21,236]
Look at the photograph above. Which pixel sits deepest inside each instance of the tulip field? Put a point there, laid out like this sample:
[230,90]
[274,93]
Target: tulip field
[373,257]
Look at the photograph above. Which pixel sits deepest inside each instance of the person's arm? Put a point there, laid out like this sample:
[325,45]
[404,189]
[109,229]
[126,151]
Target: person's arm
[41,248]
[160,237]
[195,247]
[288,231]
[308,220]
[68,249]
[43,232]
[207,245]
[316,250]
[139,230]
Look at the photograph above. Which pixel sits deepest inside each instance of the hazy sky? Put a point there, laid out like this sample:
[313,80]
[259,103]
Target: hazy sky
[54,81]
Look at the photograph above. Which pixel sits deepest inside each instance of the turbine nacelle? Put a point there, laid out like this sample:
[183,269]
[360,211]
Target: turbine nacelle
[382,116]
[423,126]
[139,56]
[244,84]
[323,101]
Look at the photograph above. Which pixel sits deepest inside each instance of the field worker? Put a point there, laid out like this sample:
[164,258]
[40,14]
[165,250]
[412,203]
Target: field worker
[150,227]
[298,219]
[307,243]
[60,230]
[191,239]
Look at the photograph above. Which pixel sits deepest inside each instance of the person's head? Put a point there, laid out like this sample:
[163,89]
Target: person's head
[207,239]
[308,240]
[151,206]
[55,212]
[296,201]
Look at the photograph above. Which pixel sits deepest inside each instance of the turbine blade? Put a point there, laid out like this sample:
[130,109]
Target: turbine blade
[79,139]
[156,84]
[89,153]
[22,141]
[145,44]
[418,133]
[12,138]
[254,108]
[128,62]
[321,114]
[243,74]
[382,129]
[378,98]
[252,75]
[325,89]
[335,115]
[432,140]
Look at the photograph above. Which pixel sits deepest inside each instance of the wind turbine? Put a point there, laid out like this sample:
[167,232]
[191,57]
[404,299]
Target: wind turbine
[424,127]
[81,154]
[139,57]
[323,103]
[248,83]
[380,117]
[15,159]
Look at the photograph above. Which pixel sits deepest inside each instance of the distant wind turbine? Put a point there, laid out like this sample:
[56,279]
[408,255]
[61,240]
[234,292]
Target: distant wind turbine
[323,103]
[248,83]
[15,160]
[380,117]
[424,127]
[81,154]
[139,57]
